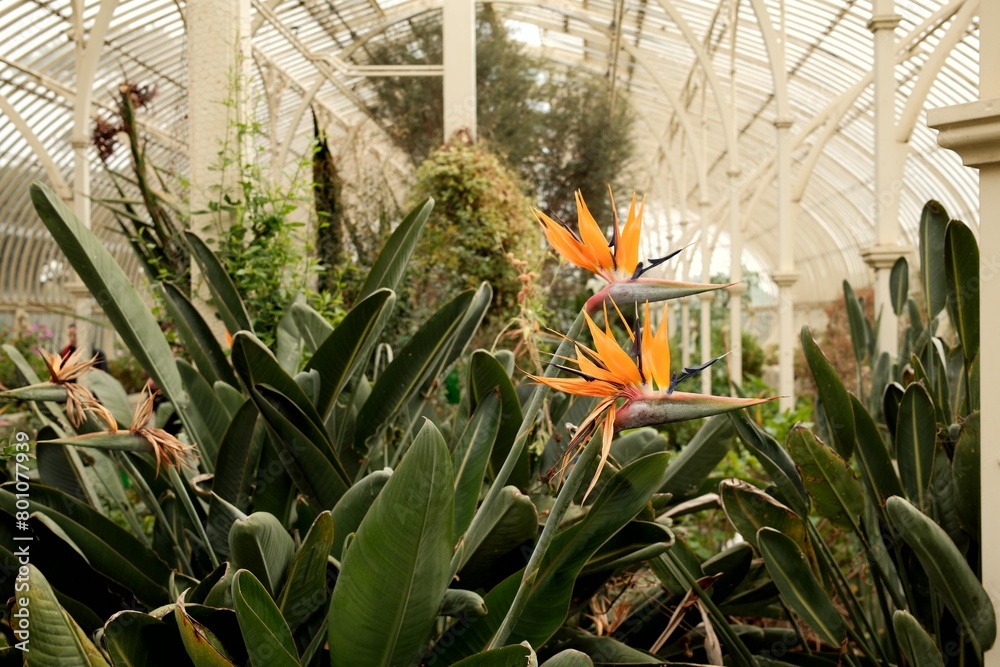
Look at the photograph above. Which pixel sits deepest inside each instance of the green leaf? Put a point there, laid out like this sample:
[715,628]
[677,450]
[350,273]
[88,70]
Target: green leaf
[877,469]
[261,544]
[779,465]
[267,637]
[622,498]
[353,506]
[198,339]
[513,520]
[965,474]
[948,571]
[414,365]
[313,328]
[749,509]
[918,646]
[611,651]
[799,587]
[916,440]
[486,375]
[829,479]
[124,307]
[733,564]
[569,658]
[305,586]
[933,225]
[135,639]
[395,254]
[961,262]
[201,644]
[470,458]
[458,603]
[836,400]
[289,345]
[394,575]
[236,467]
[52,636]
[348,347]
[696,460]
[207,416]
[899,285]
[109,548]
[508,656]
[306,454]
[857,324]
[225,296]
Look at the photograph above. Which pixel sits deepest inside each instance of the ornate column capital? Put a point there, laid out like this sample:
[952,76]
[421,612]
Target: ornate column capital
[785,279]
[884,256]
[972,130]
[883,22]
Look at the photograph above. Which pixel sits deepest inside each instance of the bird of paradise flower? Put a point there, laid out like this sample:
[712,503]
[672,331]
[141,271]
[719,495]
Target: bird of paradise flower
[635,389]
[615,261]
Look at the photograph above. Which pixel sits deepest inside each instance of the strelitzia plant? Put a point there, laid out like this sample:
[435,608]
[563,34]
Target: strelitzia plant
[635,388]
[615,261]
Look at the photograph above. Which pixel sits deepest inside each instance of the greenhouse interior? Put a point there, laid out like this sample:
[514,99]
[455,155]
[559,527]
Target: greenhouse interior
[443,332]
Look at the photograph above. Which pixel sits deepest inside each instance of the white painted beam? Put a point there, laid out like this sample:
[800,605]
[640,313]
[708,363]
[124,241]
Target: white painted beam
[459,42]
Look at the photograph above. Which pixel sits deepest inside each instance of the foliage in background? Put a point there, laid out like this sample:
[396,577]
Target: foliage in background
[27,342]
[263,244]
[555,127]
[481,229]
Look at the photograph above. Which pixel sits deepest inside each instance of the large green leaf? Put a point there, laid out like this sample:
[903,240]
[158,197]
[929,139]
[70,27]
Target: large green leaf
[775,459]
[569,658]
[202,645]
[109,548]
[348,347]
[799,587]
[961,261]
[207,416]
[622,498]
[508,656]
[305,586]
[225,296]
[877,469]
[413,366]
[829,479]
[261,544]
[135,639]
[114,292]
[353,506]
[948,571]
[488,375]
[49,633]
[933,226]
[899,285]
[918,646]
[697,459]
[470,458]
[749,509]
[395,254]
[268,639]
[916,440]
[236,467]
[512,521]
[395,573]
[856,322]
[965,473]
[313,328]
[198,339]
[836,400]
[306,453]
[611,651]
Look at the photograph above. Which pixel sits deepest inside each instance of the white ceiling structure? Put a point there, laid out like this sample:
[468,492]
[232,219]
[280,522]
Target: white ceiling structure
[698,74]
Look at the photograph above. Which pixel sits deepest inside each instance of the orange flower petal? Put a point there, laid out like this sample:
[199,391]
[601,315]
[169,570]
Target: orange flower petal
[579,386]
[592,236]
[656,350]
[566,244]
[614,357]
[627,252]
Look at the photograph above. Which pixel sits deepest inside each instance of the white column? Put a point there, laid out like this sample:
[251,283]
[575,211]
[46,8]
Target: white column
[219,59]
[973,131]
[888,173]
[459,43]
[785,277]
[686,330]
[706,298]
[735,276]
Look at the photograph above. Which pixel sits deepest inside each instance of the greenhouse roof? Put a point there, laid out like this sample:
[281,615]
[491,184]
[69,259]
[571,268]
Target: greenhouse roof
[697,72]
